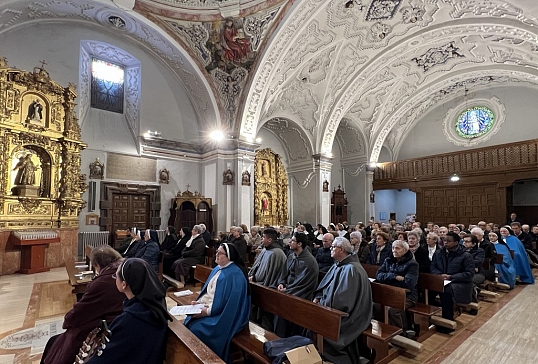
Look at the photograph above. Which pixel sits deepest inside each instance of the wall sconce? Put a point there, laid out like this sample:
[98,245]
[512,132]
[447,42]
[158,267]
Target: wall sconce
[454,178]
[153,134]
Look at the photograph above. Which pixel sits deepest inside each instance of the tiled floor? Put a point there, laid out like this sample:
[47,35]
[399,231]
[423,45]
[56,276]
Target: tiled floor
[32,309]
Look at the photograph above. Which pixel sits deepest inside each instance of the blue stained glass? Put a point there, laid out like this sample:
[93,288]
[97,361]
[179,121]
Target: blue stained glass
[474,122]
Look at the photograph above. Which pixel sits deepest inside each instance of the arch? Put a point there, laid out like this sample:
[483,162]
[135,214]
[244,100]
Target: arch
[133,25]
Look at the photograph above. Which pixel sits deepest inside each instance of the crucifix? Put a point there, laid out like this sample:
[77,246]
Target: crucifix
[43,63]
[188,185]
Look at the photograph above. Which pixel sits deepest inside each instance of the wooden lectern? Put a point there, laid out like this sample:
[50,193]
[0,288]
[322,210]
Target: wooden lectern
[33,244]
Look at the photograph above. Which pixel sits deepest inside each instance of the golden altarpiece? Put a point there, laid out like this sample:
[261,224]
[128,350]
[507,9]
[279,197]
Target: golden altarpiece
[270,189]
[40,181]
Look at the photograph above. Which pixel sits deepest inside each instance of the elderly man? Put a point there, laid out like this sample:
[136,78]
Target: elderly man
[346,287]
[443,230]
[400,269]
[299,278]
[453,263]
[205,234]
[266,270]
[324,254]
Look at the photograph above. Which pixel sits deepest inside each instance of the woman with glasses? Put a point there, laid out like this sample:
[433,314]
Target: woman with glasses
[139,333]
[226,299]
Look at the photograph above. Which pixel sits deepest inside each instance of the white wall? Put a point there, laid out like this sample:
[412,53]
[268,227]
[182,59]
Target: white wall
[427,137]
[164,106]
[402,202]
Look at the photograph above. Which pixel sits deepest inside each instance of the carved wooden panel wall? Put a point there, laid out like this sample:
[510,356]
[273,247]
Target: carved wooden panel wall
[458,204]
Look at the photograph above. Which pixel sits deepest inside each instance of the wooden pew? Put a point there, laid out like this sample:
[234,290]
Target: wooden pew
[422,313]
[293,309]
[78,284]
[183,347]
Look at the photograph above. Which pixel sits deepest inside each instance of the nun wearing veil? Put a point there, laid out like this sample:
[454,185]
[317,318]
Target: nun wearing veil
[507,270]
[226,296]
[521,261]
[139,333]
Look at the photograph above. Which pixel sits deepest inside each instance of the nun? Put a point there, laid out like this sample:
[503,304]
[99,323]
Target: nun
[139,333]
[226,299]
[507,270]
[521,262]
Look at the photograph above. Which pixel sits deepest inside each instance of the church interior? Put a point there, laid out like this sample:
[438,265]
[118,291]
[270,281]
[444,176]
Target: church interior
[155,113]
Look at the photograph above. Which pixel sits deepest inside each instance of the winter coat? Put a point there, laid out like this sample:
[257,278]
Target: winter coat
[459,265]
[372,259]
[407,267]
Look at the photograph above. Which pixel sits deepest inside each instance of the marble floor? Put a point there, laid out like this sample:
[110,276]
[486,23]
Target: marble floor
[32,309]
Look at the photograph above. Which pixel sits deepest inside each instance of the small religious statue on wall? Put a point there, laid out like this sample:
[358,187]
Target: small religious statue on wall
[245,178]
[164,176]
[325,186]
[265,204]
[228,177]
[372,197]
[35,111]
[97,170]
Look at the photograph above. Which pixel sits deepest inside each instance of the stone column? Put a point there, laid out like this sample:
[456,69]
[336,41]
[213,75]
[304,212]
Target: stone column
[322,173]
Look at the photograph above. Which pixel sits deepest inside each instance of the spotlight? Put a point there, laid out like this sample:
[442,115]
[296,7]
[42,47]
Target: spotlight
[454,178]
[258,140]
[217,135]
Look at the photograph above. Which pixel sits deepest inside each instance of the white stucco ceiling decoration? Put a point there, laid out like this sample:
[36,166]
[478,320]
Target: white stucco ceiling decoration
[382,55]
[106,14]
[294,140]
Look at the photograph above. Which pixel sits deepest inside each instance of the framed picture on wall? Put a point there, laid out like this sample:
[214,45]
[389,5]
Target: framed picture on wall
[92,219]
[382,216]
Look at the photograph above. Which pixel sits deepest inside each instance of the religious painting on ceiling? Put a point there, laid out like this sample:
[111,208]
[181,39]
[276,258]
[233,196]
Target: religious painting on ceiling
[270,189]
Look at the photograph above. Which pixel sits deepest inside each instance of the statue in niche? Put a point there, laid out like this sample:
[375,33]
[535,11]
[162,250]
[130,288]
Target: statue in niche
[35,111]
[265,204]
[245,178]
[265,169]
[228,177]
[25,171]
[372,197]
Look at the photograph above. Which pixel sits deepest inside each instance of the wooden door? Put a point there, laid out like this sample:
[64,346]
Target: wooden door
[186,216]
[130,210]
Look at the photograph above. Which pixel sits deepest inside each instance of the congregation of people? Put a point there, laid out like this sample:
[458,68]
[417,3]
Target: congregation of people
[323,264]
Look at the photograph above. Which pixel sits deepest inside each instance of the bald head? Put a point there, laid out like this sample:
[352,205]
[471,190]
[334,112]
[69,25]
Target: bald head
[327,240]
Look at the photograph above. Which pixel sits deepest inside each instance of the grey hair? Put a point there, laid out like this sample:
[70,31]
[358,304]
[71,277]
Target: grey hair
[203,227]
[435,236]
[344,244]
[356,234]
[478,231]
[198,229]
[401,243]
[239,229]
[415,233]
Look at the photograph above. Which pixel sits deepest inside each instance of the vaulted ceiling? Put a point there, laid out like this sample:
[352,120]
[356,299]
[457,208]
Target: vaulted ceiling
[361,72]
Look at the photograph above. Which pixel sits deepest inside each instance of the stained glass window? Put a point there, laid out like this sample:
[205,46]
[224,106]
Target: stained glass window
[107,86]
[474,122]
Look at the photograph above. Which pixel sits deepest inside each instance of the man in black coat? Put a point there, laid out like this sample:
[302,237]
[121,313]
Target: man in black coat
[454,264]
[239,241]
[489,251]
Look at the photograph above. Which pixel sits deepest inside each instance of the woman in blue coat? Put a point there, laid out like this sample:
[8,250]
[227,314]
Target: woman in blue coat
[400,269]
[226,297]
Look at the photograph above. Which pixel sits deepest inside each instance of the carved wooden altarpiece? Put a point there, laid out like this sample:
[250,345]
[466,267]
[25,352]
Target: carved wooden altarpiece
[190,208]
[338,206]
[40,144]
[270,189]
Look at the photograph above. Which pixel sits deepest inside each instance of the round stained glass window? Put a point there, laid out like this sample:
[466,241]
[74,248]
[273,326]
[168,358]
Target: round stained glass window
[474,122]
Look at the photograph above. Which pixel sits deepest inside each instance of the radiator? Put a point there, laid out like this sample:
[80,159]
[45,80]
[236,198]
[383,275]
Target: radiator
[93,239]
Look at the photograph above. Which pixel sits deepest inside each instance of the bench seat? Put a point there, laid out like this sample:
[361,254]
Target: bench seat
[422,314]
[378,341]
[250,341]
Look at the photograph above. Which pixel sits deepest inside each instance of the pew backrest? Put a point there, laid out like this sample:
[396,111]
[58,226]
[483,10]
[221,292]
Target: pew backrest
[298,310]
[371,270]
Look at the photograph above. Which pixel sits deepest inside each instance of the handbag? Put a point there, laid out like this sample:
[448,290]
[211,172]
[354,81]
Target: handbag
[94,343]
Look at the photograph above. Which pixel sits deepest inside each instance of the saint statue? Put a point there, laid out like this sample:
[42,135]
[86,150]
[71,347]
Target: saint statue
[25,171]
[35,111]
[265,203]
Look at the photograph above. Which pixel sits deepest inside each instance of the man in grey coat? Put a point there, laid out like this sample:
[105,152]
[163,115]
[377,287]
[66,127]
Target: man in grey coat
[299,278]
[266,270]
[346,287]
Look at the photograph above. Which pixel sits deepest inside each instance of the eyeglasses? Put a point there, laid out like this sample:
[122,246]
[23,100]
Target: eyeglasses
[114,276]
[220,253]
[335,246]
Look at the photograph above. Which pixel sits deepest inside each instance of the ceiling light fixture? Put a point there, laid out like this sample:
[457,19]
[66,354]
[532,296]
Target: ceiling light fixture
[454,178]
[217,135]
